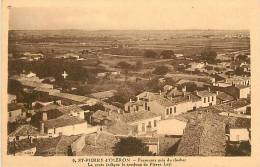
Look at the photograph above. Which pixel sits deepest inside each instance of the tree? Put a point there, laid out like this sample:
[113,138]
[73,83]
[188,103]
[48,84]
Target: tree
[124,65]
[124,93]
[167,54]
[242,58]
[131,146]
[190,86]
[209,56]
[153,85]
[150,54]
[161,70]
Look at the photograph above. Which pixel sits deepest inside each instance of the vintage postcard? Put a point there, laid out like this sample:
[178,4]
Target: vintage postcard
[130,83]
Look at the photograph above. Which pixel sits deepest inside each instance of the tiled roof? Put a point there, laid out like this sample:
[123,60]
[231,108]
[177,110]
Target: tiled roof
[225,97]
[72,97]
[239,86]
[25,130]
[49,107]
[148,95]
[70,109]
[101,115]
[15,106]
[240,103]
[119,128]
[64,143]
[20,145]
[138,116]
[164,102]
[104,145]
[180,99]
[46,146]
[104,94]
[205,93]
[203,136]
[62,121]
[174,92]
[214,114]
[135,103]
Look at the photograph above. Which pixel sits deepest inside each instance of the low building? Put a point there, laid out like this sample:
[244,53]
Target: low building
[240,106]
[73,110]
[135,106]
[16,112]
[239,134]
[223,97]
[24,132]
[104,95]
[66,125]
[69,99]
[171,127]
[142,122]
[238,91]
[24,147]
[208,98]
[238,80]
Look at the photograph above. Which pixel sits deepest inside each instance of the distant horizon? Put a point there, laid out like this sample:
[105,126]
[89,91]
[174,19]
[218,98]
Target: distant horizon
[74,29]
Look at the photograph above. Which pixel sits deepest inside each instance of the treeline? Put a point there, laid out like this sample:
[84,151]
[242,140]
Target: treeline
[55,68]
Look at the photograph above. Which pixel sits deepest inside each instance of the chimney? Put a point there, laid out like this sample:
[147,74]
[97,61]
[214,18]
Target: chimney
[184,89]
[209,89]
[217,92]
[160,92]
[138,98]
[131,100]
[42,128]
[44,116]
[184,93]
[31,139]
[196,92]
[188,97]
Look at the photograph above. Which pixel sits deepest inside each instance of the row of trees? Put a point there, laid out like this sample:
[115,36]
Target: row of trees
[165,54]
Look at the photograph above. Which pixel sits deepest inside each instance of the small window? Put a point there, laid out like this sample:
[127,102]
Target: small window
[167,111]
[170,110]
[212,98]
[128,108]
[154,123]
[148,108]
[174,109]
[208,99]
[137,108]
[149,124]
[143,127]
[205,100]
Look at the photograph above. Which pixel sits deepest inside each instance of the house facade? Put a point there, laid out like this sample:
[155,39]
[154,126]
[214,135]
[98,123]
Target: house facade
[142,122]
[66,125]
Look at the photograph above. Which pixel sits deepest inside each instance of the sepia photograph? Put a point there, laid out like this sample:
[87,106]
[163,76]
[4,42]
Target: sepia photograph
[169,78]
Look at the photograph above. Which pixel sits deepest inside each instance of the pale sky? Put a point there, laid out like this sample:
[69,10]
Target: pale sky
[130,14]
